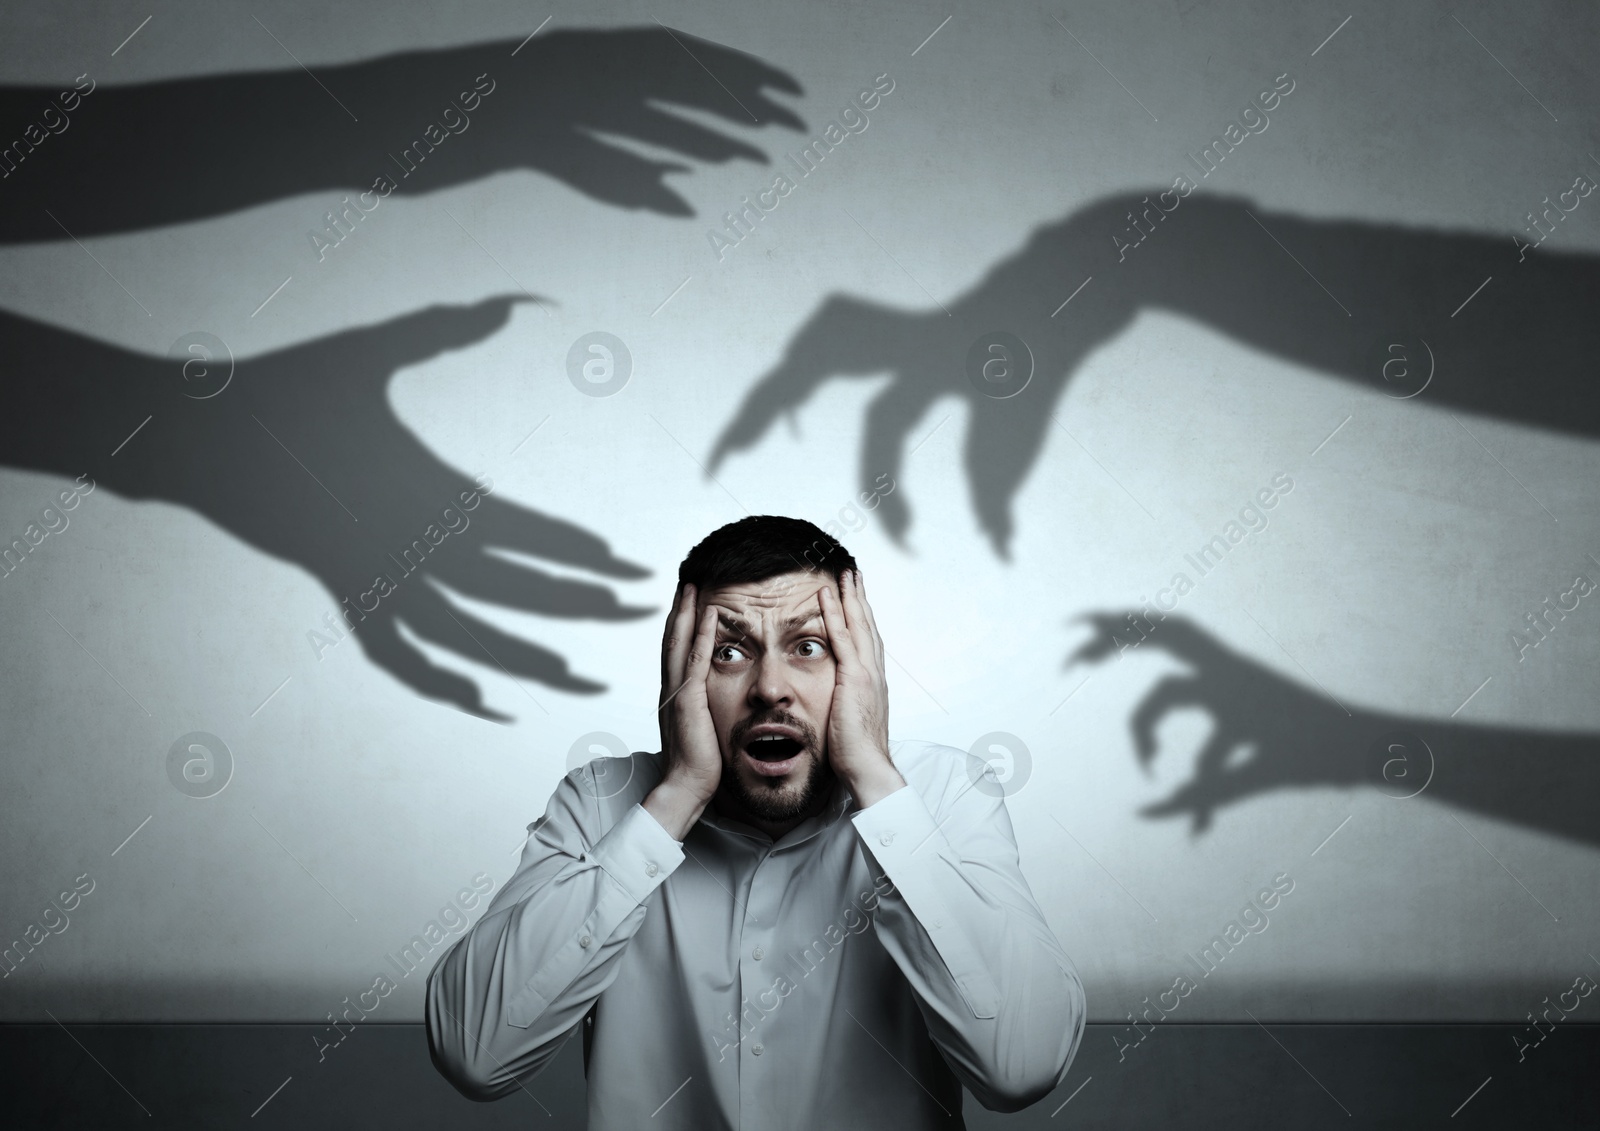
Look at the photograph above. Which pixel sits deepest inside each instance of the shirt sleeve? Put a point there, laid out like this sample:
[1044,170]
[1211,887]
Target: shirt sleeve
[1001,999]
[508,993]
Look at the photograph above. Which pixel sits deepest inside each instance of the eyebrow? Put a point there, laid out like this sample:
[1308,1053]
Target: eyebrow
[742,627]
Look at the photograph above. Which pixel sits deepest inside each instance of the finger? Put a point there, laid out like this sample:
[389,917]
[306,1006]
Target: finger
[860,618]
[855,617]
[699,664]
[516,527]
[1182,638]
[1188,800]
[410,338]
[674,658]
[666,632]
[844,337]
[668,638]
[458,630]
[833,622]
[608,173]
[772,111]
[528,589]
[736,73]
[677,642]
[740,69]
[1170,694]
[688,698]
[1218,752]
[1198,799]
[780,390]
[384,645]
[889,420]
[1098,646]
[859,587]
[668,131]
[1004,439]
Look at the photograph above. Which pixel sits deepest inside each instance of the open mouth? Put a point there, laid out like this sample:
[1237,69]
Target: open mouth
[772,748]
[773,754]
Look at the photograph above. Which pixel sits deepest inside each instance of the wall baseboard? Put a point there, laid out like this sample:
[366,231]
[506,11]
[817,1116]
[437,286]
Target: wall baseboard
[1230,1076]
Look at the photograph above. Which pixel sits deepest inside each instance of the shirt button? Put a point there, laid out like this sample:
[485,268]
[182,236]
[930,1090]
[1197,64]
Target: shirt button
[585,941]
[886,839]
[650,869]
[757,953]
[756,1050]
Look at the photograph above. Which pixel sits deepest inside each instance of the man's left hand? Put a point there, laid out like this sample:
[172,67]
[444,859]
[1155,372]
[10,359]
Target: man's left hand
[858,721]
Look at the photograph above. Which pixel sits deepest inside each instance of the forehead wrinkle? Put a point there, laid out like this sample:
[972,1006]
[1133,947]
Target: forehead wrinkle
[766,600]
[761,593]
[734,623]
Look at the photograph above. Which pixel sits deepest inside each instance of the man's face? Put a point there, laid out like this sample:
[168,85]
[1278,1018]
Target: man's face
[770,687]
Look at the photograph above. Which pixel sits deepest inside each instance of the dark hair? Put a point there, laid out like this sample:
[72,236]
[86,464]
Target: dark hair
[760,546]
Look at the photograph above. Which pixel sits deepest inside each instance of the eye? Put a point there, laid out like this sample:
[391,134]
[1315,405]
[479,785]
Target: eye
[721,650]
[821,649]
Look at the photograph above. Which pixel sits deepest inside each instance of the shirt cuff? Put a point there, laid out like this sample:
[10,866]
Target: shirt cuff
[637,853]
[896,826]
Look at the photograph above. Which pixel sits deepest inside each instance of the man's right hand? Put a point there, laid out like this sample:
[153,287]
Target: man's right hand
[689,747]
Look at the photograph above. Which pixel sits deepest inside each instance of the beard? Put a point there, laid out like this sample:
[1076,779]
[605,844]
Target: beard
[776,799]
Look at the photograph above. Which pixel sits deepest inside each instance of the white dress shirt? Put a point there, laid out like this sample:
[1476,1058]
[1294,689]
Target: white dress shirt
[851,974]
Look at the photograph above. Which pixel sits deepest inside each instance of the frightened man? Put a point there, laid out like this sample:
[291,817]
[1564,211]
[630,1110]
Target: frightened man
[783,919]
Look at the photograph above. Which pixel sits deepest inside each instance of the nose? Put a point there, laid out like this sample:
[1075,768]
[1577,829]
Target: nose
[770,685]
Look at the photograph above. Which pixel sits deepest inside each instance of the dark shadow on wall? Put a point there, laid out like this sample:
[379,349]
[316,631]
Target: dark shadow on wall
[1293,738]
[1523,349]
[300,455]
[133,157]
[92,160]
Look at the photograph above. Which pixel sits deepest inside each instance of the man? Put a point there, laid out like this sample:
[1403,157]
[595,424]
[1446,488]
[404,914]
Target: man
[783,919]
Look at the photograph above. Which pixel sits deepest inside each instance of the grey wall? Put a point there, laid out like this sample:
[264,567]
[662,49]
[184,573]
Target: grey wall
[1246,337]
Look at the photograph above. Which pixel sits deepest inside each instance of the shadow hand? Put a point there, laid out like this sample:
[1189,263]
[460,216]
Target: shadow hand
[1267,732]
[558,103]
[300,454]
